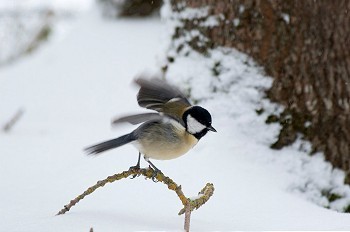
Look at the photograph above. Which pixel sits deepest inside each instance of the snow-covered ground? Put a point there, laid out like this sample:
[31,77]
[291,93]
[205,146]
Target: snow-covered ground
[25,25]
[72,88]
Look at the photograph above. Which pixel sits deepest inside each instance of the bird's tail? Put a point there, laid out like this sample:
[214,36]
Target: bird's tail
[110,144]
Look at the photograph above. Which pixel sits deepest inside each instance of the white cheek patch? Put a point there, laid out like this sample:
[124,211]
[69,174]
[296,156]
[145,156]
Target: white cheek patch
[193,126]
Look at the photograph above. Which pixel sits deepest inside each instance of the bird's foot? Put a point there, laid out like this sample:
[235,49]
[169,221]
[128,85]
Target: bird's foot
[156,171]
[135,168]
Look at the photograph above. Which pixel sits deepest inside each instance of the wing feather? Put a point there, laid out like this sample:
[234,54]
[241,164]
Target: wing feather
[156,91]
[160,96]
[137,118]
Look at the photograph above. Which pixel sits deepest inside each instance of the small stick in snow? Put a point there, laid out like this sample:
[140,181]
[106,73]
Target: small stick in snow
[8,126]
[188,203]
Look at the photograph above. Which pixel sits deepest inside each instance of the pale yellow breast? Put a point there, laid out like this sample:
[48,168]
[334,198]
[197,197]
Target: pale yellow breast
[161,148]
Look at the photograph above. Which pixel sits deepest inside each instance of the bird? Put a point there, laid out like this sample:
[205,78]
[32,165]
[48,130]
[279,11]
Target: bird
[171,130]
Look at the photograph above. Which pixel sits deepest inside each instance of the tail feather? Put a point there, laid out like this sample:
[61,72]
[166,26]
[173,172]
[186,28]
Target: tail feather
[110,144]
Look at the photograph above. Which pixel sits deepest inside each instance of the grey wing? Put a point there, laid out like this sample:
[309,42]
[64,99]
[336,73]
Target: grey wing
[137,118]
[155,130]
[154,93]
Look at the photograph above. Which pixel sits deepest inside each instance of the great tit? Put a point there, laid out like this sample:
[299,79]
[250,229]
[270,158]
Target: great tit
[163,135]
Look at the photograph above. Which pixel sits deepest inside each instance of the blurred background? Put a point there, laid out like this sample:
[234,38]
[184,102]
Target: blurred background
[27,24]
[274,74]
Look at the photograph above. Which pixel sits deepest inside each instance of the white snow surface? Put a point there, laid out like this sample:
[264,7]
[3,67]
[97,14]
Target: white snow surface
[22,23]
[80,5]
[73,87]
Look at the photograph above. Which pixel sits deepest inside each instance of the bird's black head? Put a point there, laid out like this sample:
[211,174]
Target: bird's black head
[198,121]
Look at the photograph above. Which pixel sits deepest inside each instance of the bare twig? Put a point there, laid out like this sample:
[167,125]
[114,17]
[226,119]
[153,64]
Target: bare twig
[8,126]
[189,204]
[203,196]
[187,217]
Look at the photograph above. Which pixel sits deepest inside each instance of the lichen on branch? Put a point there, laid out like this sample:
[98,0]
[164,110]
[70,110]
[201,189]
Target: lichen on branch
[203,197]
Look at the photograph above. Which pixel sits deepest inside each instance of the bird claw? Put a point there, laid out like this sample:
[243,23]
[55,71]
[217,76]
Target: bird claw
[135,175]
[136,168]
[155,173]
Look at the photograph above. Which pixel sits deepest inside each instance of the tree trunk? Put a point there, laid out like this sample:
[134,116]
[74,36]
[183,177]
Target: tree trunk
[305,47]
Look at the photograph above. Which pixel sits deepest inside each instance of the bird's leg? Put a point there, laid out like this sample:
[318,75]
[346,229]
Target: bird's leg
[137,166]
[155,169]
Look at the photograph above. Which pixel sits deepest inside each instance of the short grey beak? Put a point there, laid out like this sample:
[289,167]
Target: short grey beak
[211,128]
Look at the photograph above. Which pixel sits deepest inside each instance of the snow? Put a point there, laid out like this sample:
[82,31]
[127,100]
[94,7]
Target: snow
[286,17]
[236,22]
[193,13]
[72,88]
[23,24]
[210,21]
[239,90]
[80,5]
[241,9]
